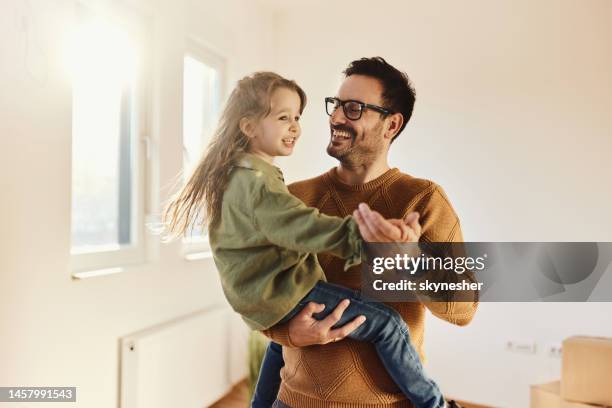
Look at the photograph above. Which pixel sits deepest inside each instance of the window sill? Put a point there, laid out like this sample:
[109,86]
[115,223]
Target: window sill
[96,272]
[198,256]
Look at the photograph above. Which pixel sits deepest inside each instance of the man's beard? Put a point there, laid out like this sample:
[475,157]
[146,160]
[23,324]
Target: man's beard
[355,154]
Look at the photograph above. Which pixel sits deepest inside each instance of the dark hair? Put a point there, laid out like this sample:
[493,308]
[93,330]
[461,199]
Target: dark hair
[398,93]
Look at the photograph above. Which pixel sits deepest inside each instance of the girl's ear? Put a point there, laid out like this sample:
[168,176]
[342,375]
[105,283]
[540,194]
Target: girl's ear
[246,127]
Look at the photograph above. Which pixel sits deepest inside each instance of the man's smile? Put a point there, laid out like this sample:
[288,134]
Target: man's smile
[339,134]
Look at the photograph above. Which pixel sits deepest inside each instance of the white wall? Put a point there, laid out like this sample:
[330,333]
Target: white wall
[512,119]
[53,330]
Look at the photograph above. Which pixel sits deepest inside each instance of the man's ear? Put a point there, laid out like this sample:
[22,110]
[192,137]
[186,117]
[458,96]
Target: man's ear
[246,127]
[395,122]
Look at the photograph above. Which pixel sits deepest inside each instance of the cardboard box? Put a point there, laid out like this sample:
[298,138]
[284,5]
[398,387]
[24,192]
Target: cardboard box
[549,396]
[586,373]
[545,395]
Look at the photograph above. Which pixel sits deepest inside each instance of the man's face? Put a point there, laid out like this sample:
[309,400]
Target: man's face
[358,142]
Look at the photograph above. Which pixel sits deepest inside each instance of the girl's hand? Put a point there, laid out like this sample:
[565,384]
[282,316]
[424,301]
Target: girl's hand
[375,228]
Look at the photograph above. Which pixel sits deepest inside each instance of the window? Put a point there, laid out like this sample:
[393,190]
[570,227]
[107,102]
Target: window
[203,74]
[106,53]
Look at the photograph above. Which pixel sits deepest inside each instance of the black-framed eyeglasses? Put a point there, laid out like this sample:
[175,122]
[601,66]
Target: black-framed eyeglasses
[352,109]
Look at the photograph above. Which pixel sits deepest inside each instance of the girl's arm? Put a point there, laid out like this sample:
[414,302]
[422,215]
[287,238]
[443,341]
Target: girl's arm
[287,222]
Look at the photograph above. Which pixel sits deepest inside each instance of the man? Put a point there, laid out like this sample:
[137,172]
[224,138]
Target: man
[372,107]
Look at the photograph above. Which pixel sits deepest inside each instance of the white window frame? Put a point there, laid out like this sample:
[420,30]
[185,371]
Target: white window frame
[112,260]
[198,248]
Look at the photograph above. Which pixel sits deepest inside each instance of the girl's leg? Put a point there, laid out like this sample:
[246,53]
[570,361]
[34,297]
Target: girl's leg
[390,336]
[269,379]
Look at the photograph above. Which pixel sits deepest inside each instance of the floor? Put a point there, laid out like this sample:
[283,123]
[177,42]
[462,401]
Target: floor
[237,398]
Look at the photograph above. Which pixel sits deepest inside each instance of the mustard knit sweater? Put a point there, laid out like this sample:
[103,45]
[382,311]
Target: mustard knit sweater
[349,373]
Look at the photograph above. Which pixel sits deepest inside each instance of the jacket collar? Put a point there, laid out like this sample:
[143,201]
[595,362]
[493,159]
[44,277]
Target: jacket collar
[253,162]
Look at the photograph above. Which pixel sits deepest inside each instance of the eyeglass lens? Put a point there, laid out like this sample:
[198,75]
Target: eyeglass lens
[352,110]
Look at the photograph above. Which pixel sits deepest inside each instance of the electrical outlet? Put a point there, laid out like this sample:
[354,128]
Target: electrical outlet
[521,346]
[554,350]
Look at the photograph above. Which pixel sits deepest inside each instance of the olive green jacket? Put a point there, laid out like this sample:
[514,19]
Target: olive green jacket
[265,244]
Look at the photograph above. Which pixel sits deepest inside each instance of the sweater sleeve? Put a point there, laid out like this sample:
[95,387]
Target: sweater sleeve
[441,224]
[279,334]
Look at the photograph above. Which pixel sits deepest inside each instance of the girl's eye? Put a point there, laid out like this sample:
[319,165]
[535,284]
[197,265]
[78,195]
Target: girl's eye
[283,118]
[297,118]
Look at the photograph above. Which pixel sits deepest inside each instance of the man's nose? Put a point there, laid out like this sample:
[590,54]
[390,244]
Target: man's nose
[337,117]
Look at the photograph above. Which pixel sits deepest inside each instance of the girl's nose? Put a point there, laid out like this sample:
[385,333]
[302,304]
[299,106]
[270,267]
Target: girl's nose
[295,126]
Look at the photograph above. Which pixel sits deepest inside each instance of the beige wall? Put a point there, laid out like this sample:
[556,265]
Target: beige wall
[512,119]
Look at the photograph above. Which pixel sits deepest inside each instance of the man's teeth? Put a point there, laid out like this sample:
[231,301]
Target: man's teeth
[341,134]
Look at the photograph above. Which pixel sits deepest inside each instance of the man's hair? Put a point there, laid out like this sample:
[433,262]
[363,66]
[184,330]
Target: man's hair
[398,93]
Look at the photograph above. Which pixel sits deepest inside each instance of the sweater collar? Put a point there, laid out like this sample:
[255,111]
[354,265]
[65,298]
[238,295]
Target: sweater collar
[370,185]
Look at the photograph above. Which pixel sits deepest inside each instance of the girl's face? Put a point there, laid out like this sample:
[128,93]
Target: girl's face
[277,133]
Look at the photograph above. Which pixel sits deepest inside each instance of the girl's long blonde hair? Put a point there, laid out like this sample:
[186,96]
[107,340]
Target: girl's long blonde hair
[199,201]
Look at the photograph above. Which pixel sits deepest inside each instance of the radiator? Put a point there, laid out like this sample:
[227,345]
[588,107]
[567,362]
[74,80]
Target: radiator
[188,362]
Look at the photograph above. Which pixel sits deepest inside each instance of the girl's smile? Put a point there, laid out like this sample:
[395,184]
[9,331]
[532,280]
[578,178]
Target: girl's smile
[277,133]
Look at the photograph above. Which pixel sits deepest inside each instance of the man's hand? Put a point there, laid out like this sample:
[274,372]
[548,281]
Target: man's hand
[375,228]
[305,330]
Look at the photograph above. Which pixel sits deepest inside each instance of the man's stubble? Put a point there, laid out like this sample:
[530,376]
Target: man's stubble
[361,153]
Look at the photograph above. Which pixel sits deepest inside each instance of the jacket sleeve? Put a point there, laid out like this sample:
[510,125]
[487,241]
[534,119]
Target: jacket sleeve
[440,224]
[287,222]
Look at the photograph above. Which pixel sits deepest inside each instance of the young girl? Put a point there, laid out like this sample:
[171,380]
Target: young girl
[264,239]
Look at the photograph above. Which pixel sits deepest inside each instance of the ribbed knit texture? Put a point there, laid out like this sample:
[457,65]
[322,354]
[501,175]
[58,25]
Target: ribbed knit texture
[349,373]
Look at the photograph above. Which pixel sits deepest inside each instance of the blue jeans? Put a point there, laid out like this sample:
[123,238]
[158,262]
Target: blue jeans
[384,328]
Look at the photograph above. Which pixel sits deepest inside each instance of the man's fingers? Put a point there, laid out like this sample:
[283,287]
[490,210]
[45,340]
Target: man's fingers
[342,332]
[412,220]
[416,225]
[410,217]
[336,314]
[405,230]
[310,309]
